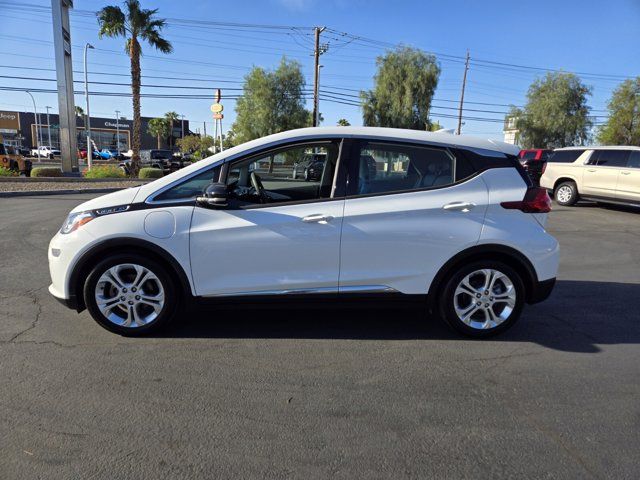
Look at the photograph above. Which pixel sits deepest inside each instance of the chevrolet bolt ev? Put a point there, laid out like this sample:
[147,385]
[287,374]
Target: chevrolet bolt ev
[602,174]
[450,220]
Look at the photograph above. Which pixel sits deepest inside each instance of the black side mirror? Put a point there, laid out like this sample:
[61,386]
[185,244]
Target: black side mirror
[214,196]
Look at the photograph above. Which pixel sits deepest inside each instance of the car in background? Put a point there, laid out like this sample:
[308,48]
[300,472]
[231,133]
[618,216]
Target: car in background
[602,174]
[534,161]
[300,167]
[314,170]
[451,221]
[12,159]
[44,151]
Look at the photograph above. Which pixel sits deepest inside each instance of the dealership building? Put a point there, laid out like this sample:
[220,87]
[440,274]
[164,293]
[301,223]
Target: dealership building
[20,129]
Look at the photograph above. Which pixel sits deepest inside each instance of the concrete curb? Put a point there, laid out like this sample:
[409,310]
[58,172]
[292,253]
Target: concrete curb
[38,193]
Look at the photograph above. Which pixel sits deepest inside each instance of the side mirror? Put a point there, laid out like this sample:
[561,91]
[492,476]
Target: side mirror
[214,196]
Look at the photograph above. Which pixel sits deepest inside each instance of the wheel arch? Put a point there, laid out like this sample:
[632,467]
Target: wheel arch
[510,256]
[124,245]
[562,179]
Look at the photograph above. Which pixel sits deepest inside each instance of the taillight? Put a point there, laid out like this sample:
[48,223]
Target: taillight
[536,200]
[544,167]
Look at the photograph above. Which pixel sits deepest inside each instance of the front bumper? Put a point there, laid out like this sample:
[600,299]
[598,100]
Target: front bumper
[71,302]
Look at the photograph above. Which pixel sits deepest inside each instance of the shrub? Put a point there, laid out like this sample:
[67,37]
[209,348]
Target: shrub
[5,172]
[104,171]
[46,172]
[150,172]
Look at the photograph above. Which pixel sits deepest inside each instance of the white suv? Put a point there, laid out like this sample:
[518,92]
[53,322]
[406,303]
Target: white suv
[449,219]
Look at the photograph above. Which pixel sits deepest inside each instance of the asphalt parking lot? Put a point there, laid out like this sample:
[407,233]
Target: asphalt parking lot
[365,393]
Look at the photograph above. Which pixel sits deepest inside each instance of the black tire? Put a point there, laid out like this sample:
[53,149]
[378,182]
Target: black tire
[446,300]
[566,194]
[171,294]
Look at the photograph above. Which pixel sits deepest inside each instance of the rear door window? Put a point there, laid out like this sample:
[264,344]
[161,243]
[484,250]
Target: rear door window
[565,156]
[611,158]
[634,159]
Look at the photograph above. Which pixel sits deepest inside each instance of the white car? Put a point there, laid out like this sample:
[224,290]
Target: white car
[451,220]
[45,152]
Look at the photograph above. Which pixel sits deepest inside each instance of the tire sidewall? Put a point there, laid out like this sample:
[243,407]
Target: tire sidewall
[168,284]
[574,193]
[446,305]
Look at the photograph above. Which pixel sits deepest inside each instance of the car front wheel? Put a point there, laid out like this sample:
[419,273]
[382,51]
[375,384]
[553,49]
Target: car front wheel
[130,295]
[482,299]
[566,194]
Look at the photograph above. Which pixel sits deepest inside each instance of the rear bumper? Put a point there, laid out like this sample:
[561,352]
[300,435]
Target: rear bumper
[541,291]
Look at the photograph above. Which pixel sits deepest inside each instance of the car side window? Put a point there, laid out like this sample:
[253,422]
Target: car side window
[191,188]
[379,168]
[634,159]
[611,158]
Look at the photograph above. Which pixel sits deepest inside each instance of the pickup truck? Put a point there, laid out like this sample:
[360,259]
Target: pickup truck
[45,152]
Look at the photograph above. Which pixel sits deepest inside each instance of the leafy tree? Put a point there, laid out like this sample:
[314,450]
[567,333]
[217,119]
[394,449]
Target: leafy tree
[136,24]
[271,102]
[79,111]
[343,122]
[196,145]
[623,125]
[403,89]
[171,117]
[556,113]
[159,128]
[435,126]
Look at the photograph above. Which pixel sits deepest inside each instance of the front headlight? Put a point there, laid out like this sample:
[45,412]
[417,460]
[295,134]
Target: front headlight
[75,221]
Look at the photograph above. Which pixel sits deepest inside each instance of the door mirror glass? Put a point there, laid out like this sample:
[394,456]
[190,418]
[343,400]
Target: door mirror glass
[215,196]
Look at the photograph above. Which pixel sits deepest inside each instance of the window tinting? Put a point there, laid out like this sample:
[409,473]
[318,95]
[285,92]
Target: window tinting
[612,158]
[385,168]
[530,155]
[634,159]
[192,187]
[565,156]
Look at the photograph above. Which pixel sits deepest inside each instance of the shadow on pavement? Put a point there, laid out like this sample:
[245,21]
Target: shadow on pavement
[578,317]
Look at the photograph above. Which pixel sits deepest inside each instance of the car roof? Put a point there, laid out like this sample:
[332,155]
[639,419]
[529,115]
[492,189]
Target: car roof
[600,147]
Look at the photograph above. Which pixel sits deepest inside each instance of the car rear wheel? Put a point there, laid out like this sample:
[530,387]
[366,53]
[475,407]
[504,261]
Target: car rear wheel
[482,299]
[130,295]
[566,193]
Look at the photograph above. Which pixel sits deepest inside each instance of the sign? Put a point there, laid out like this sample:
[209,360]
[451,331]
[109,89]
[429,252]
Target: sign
[218,116]
[116,125]
[217,108]
[9,121]
[218,95]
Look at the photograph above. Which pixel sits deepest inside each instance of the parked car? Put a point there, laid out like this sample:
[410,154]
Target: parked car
[534,162]
[156,158]
[450,220]
[602,174]
[45,152]
[301,166]
[11,158]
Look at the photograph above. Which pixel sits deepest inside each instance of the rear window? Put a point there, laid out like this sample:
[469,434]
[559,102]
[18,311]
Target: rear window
[530,155]
[565,156]
[609,158]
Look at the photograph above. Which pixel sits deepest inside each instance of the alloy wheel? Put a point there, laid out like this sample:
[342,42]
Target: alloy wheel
[564,194]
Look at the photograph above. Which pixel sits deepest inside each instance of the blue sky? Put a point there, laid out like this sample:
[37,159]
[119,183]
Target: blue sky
[593,37]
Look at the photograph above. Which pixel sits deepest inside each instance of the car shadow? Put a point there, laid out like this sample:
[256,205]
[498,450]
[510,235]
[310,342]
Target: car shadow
[578,317]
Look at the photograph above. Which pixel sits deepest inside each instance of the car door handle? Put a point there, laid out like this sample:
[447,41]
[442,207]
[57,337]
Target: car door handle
[459,206]
[625,173]
[317,218]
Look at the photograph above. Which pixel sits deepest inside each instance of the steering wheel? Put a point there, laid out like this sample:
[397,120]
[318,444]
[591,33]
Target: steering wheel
[256,183]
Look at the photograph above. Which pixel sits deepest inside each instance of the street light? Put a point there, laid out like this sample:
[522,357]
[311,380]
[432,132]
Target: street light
[88,118]
[35,119]
[49,128]
[118,132]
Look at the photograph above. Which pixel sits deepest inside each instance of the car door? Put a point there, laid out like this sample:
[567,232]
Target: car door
[628,188]
[601,172]
[408,210]
[286,242]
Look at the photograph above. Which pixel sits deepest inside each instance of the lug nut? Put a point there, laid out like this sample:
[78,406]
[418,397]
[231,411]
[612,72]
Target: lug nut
[478,304]
[137,297]
[133,289]
[124,290]
[122,299]
[486,292]
[486,304]
[477,295]
[130,302]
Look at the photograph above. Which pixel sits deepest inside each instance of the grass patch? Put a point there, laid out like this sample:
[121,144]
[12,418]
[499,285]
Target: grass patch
[46,172]
[104,171]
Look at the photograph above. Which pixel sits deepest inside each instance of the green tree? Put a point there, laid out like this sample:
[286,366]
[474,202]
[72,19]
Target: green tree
[159,128]
[403,89]
[135,24]
[171,117]
[196,145]
[271,102]
[343,122]
[435,126]
[623,124]
[556,113]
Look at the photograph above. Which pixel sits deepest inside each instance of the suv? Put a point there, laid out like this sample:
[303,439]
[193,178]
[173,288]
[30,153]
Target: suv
[602,174]
[452,221]
[11,159]
[534,162]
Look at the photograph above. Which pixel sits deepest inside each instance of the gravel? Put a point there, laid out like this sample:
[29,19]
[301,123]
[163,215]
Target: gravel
[78,186]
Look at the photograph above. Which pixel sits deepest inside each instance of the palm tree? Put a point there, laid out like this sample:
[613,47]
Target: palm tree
[135,24]
[159,128]
[171,117]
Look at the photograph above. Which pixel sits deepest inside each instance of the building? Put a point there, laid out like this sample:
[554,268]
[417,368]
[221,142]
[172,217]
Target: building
[21,130]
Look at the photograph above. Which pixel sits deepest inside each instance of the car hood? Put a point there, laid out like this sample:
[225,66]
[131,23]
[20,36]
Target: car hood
[113,199]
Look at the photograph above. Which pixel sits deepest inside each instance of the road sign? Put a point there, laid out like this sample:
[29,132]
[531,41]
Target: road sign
[218,116]
[218,95]
[217,108]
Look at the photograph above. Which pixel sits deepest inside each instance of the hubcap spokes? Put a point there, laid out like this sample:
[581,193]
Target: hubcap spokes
[564,194]
[129,295]
[484,299]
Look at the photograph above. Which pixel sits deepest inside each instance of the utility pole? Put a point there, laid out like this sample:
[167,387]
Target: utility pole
[464,83]
[182,121]
[87,125]
[316,73]
[204,127]
[49,128]
[35,120]
[118,132]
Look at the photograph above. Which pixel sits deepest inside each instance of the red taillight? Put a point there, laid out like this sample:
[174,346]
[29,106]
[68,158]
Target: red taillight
[536,200]
[544,167]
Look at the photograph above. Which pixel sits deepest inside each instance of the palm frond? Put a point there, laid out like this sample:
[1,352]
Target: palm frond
[112,22]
